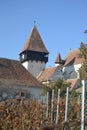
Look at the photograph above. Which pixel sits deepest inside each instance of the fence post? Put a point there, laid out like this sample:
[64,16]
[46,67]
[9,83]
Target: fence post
[47,104]
[83,106]
[66,106]
[57,112]
[52,102]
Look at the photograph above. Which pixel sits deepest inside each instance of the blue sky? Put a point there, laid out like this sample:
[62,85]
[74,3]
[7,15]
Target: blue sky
[61,24]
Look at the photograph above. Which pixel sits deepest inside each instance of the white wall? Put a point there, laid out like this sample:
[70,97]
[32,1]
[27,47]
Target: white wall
[36,92]
[77,67]
[34,67]
[25,64]
[12,91]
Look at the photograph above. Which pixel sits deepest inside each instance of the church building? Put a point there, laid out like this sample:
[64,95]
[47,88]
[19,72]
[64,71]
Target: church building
[34,57]
[30,72]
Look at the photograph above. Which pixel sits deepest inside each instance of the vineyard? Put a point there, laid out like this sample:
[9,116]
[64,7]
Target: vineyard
[21,114]
[52,112]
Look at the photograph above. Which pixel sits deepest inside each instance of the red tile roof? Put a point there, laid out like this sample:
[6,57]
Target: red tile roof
[72,58]
[47,74]
[72,81]
[12,71]
[34,42]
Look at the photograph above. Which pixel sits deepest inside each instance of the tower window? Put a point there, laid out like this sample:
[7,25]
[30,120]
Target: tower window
[22,56]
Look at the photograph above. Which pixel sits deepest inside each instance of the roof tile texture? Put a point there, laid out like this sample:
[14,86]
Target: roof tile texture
[47,74]
[72,81]
[34,42]
[72,58]
[13,72]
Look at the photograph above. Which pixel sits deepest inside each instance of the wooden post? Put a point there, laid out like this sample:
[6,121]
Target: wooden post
[52,102]
[66,106]
[47,100]
[57,112]
[83,106]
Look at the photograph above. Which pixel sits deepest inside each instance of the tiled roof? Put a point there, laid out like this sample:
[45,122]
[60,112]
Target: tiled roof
[73,83]
[72,58]
[12,71]
[34,42]
[58,58]
[47,74]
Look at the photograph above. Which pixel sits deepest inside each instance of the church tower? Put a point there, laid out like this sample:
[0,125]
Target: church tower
[59,60]
[34,54]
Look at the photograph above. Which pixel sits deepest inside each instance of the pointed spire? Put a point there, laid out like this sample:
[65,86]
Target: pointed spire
[58,59]
[34,22]
[34,42]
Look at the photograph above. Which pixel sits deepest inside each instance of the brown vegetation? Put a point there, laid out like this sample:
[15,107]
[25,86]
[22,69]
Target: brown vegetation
[21,114]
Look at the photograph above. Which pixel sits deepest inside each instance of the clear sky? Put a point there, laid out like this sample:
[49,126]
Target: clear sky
[61,24]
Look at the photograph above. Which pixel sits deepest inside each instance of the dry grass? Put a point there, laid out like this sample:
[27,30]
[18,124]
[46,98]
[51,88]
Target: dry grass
[20,114]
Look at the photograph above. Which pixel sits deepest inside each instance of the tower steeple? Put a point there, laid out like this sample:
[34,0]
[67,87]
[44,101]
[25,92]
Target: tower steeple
[59,60]
[34,53]
[34,42]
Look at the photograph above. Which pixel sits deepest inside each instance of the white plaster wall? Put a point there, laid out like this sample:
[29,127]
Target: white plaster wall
[35,67]
[25,64]
[10,91]
[77,67]
[57,64]
[36,92]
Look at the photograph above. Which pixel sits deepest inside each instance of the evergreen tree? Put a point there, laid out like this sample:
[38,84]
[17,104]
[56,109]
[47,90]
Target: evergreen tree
[58,84]
[83,54]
